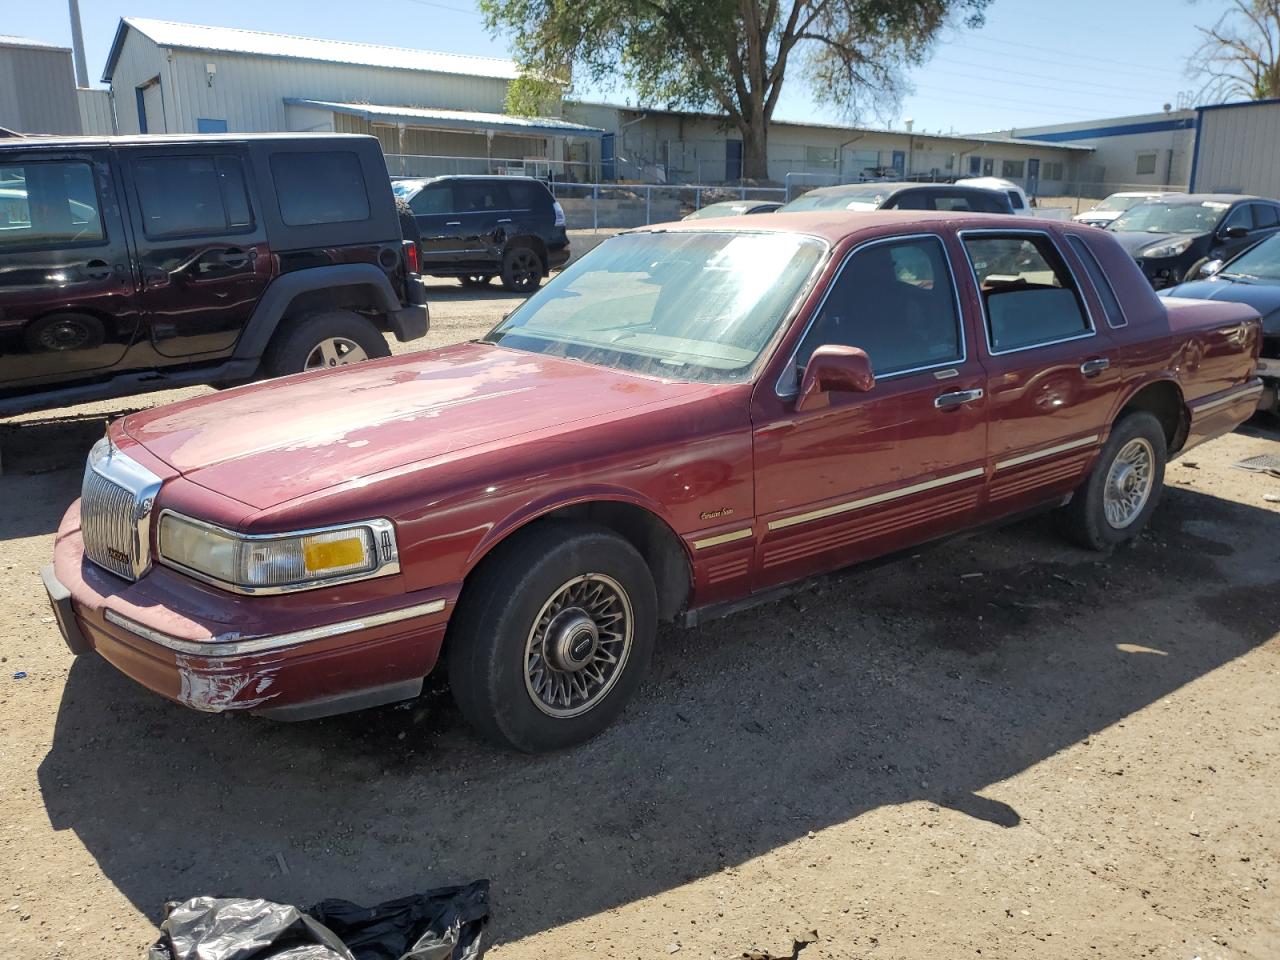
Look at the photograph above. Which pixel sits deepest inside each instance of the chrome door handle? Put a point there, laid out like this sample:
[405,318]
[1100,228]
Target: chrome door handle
[1091,368]
[957,398]
[453,223]
[505,220]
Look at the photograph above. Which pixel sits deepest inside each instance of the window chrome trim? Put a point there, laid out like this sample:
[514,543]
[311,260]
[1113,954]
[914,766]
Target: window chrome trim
[1105,279]
[977,288]
[232,645]
[897,494]
[384,543]
[783,391]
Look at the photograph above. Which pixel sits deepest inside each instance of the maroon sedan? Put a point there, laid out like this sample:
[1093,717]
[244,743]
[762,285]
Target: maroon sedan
[682,422]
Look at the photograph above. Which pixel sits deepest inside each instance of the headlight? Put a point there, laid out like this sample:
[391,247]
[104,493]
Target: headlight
[1174,248]
[278,563]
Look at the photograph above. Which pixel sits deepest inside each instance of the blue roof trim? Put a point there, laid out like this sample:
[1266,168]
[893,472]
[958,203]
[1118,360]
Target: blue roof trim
[1120,130]
[1238,103]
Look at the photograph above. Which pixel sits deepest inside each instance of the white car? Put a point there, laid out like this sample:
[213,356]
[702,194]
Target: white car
[1017,197]
[1114,205]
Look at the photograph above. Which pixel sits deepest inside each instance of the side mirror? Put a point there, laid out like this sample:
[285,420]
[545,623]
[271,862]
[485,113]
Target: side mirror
[1235,233]
[1208,269]
[834,369]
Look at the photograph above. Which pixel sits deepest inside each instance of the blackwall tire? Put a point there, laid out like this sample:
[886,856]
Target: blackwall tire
[522,269]
[553,635]
[300,345]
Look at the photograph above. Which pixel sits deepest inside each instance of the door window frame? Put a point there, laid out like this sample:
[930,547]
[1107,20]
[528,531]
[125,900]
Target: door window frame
[786,391]
[982,301]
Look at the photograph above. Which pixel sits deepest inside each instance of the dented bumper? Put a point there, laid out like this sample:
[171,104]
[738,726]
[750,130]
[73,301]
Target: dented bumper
[293,657]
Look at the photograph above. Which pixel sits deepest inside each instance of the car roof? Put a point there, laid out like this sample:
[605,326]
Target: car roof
[835,226]
[1183,198]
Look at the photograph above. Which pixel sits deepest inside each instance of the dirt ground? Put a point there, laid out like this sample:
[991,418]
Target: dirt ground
[1003,747]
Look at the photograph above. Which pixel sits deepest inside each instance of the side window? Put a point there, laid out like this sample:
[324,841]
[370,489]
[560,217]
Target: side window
[897,302]
[182,196]
[956,203]
[909,200]
[481,196]
[326,187]
[1265,216]
[1015,200]
[1028,293]
[433,199]
[525,196]
[49,203]
[1239,217]
[1110,303]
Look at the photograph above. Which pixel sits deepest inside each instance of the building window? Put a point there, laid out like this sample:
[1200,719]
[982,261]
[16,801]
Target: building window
[1013,168]
[820,156]
[951,161]
[975,166]
[1146,164]
[208,125]
[988,167]
[1053,170]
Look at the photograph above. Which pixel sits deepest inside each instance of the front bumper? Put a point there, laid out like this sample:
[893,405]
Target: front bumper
[292,656]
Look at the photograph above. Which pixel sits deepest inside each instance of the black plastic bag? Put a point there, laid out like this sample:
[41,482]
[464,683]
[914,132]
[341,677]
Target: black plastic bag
[443,924]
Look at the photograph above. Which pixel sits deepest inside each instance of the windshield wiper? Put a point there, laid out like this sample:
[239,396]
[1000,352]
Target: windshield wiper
[1237,276]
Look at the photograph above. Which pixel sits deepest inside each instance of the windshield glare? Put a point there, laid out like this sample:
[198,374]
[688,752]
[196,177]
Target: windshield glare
[1115,202]
[729,208]
[1156,217]
[685,305]
[1258,263]
[836,200]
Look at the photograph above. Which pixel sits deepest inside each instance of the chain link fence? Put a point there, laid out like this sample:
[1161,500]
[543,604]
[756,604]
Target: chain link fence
[618,206]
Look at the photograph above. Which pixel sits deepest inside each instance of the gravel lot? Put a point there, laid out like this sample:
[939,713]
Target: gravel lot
[1003,747]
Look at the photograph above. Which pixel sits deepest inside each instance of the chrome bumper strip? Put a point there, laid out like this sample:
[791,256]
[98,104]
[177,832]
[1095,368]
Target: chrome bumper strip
[230,645]
[743,534]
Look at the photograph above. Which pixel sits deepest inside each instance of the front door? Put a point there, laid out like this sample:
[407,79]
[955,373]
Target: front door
[439,224]
[881,470]
[67,296]
[201,249]
[1052,370]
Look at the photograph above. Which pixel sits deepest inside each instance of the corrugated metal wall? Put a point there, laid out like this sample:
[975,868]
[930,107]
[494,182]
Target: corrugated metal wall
[96,116]
[248,92]
[1237,150]
[38,91]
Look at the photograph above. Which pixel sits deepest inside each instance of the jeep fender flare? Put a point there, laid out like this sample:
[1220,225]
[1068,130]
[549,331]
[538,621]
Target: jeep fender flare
[284,289]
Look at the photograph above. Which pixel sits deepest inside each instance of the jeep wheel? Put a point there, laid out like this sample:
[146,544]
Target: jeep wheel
[323,340]
[476,280]
[522,269]
[552,636]
[1116,500]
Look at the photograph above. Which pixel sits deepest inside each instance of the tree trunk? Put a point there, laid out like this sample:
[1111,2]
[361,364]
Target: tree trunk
[755,151]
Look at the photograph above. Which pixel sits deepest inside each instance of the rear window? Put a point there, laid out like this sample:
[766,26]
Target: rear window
[184,196]
[326,187]
[479,196]
[49,203]
[527,196]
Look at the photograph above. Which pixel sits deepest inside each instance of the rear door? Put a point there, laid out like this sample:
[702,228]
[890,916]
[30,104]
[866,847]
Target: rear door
[201,245]
[1052,371]
[67,296]
[486,220]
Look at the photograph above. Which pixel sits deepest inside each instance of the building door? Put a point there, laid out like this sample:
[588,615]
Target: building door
[608,166]
[900,162]
[975,166]
[988,167]
[150,101]
[733,159]
[1033,177]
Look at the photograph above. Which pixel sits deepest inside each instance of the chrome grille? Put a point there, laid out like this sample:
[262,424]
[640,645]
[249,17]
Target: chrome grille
[115,511]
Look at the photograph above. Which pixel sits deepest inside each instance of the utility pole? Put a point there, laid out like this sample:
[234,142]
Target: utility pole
[77,44]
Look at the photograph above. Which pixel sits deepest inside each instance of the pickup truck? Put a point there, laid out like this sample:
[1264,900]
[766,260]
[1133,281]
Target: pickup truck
[692,418]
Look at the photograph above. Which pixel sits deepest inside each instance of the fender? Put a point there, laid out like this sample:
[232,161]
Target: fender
[270,309]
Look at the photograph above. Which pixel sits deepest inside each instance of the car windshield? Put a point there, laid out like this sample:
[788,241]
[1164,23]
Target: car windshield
[836,199]
[1258,263]
[689,305]
[1156,217]
[729,208]
[1116,203]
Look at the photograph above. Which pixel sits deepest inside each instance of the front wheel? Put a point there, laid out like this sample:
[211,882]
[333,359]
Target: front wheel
[323,340]
[1116,500]
[552,636]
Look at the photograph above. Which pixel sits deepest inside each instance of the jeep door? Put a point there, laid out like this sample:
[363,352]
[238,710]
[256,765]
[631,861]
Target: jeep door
[202,251]
[904,462]
[67,297]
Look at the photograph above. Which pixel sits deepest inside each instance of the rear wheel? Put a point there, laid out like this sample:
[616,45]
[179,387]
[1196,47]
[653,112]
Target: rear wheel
[522,269]
[323,340]
[476,280]
[1117,499]
[552,637]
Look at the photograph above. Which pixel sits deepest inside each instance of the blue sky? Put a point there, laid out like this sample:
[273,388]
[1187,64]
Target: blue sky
[1029,65]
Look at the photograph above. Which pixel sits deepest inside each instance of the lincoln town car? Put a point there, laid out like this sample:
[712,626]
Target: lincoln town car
[692,418]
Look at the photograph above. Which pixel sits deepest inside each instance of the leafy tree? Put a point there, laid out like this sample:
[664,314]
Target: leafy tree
[1239,56]
[728,56]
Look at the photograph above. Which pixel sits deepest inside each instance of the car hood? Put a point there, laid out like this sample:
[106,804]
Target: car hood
[1135,241]
[272,442]
[1263,297]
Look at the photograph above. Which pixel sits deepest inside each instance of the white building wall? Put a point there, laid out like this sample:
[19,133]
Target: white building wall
[37,90]
[1238,150]
[139,61]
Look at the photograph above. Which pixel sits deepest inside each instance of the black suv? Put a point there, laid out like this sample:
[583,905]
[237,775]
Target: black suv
[476,228]
[130,264]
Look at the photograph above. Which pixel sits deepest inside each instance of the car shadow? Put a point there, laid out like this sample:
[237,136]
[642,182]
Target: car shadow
[932,679]
[440,289]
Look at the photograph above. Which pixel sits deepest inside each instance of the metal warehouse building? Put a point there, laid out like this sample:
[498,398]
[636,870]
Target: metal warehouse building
[1237,149]
[38,92]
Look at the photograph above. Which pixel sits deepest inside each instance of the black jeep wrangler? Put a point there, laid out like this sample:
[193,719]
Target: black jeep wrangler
[130,264]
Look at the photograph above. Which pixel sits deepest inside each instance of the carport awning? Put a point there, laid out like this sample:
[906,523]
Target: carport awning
[454,119]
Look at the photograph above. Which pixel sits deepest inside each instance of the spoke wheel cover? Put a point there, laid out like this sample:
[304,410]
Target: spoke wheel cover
[334,352]
[578,645]
[1129,482]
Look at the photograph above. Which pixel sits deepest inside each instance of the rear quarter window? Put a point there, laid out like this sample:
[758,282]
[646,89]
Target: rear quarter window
[321,187]
[528,196]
